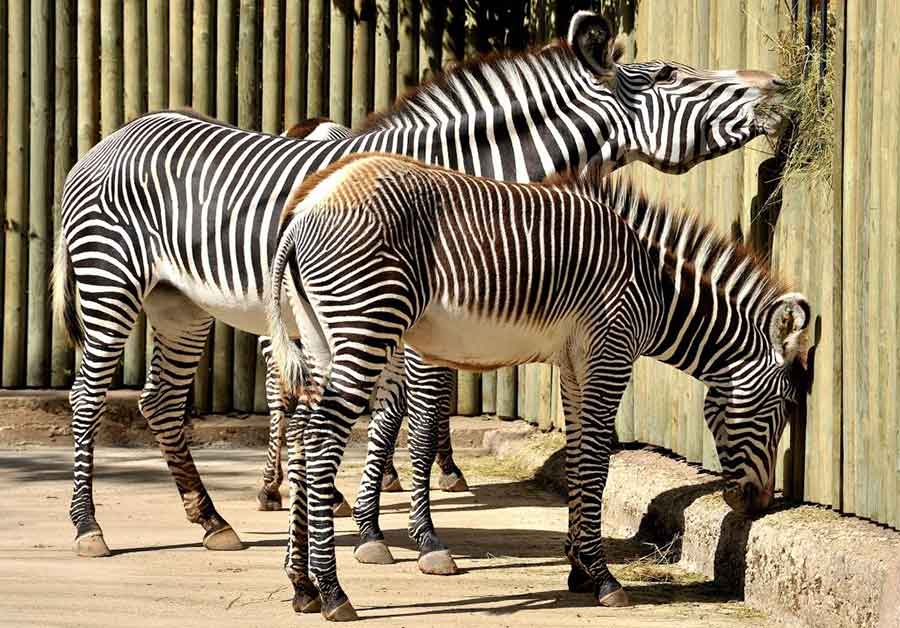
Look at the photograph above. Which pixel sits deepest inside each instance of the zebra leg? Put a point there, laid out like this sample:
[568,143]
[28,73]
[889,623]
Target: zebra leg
[387,415]
[88,401]
[579,580]
[429,403]
[269,496]
[179,337]
[602,391]
[296,558]
[451,478]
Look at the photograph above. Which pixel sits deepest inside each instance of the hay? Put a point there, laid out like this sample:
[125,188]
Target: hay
[808,101]
[657,566]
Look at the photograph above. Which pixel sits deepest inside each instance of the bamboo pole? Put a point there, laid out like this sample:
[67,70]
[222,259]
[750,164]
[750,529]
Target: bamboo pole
[295,62]
[407,45]
[316,76]
[202,101]
[338,82]
[179,54]
[243,381]
[135,103]
[223,335]
[361,91]
[14,312]
[63,155]
[157,54]
[39,235]
[385,76]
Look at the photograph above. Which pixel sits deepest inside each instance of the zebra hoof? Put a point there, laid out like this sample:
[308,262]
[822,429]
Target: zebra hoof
[223,540]
[452,483]
[437,563]
[612,595]
[267,501]
[342,612]
[303,602]
[374,553]
[342,509]
[91,545]
[391,485]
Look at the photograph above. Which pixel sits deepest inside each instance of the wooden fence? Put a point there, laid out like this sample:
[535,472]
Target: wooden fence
[74,72]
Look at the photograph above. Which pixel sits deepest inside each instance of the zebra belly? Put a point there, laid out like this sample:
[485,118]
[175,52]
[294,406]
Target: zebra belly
[460,339]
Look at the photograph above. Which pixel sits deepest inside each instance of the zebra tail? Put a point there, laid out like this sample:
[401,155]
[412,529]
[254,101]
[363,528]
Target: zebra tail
[287,355]
[65,308]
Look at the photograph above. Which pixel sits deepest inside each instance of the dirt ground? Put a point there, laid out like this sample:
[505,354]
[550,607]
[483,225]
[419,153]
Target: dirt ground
[506,534]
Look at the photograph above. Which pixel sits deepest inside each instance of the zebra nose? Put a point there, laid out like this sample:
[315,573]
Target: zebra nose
[747,499]
[765,81]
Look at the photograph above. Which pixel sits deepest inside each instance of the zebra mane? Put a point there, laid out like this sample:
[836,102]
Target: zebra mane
[462,78]
[683,236]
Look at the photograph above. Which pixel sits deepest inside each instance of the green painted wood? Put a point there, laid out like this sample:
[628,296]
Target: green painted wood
[15,276]
[40,237]
[61,355]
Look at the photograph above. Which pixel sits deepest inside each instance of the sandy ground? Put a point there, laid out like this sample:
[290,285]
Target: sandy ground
[507,536]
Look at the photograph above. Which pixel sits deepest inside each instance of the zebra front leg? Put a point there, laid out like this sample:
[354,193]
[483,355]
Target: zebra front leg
[269,496]
[601,393]
[451,478]
[88,401]
[387,414]
[296,558]
[428,405]
[179,338]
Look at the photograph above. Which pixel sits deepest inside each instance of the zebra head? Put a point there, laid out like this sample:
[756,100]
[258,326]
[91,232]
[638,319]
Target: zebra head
[673,116]
[748,416]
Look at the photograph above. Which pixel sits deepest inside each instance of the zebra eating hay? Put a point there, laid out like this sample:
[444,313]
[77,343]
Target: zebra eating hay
[178,215]
[473,273]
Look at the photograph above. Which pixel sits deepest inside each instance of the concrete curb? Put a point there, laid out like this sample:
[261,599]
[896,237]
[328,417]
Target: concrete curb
[805,564]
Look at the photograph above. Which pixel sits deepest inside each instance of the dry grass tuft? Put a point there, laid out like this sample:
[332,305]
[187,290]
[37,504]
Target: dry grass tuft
[657,566]
[808,101]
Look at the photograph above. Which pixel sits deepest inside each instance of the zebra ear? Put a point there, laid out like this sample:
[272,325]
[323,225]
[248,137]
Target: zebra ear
[590,36]
[787,323]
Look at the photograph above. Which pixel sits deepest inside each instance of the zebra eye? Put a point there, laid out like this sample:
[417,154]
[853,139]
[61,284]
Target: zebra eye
[666,73]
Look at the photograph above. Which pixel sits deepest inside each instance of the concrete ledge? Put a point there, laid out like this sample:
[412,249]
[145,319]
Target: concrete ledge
[806,564]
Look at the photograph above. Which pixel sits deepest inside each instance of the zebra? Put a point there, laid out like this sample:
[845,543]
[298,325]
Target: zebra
[177,214]
[584,273]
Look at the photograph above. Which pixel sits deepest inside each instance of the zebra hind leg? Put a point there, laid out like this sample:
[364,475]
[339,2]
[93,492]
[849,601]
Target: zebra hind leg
[180,331]
[387,414]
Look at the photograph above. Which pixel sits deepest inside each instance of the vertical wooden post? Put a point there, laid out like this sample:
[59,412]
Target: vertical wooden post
[468,390]
[295,62]
[545,397]
[135,84]
[14,311]
[507,389]
[361,98]
[429,40]
[408,45]
[385,78]
[316,77]
[39,236]
[339,83]
[158,54]
[223,335]
[179,54]
[202,101]
[63,155]
[4,57]
[489,392]
[243,381]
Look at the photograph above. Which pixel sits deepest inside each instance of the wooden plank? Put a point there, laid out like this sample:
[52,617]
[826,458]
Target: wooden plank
[521,391]
[489,393]
[202,67]
[179,54]
[385,73]
[295,61]
[134,64]
[507,389]
[243,377]
[468,387]
[429,40]
[15,277]
[545,397]
[317,77]
[4,56]
[339,61]
[61,355]
[361,89]
[157,54]
[223,335]
[39,179]
[407,45]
